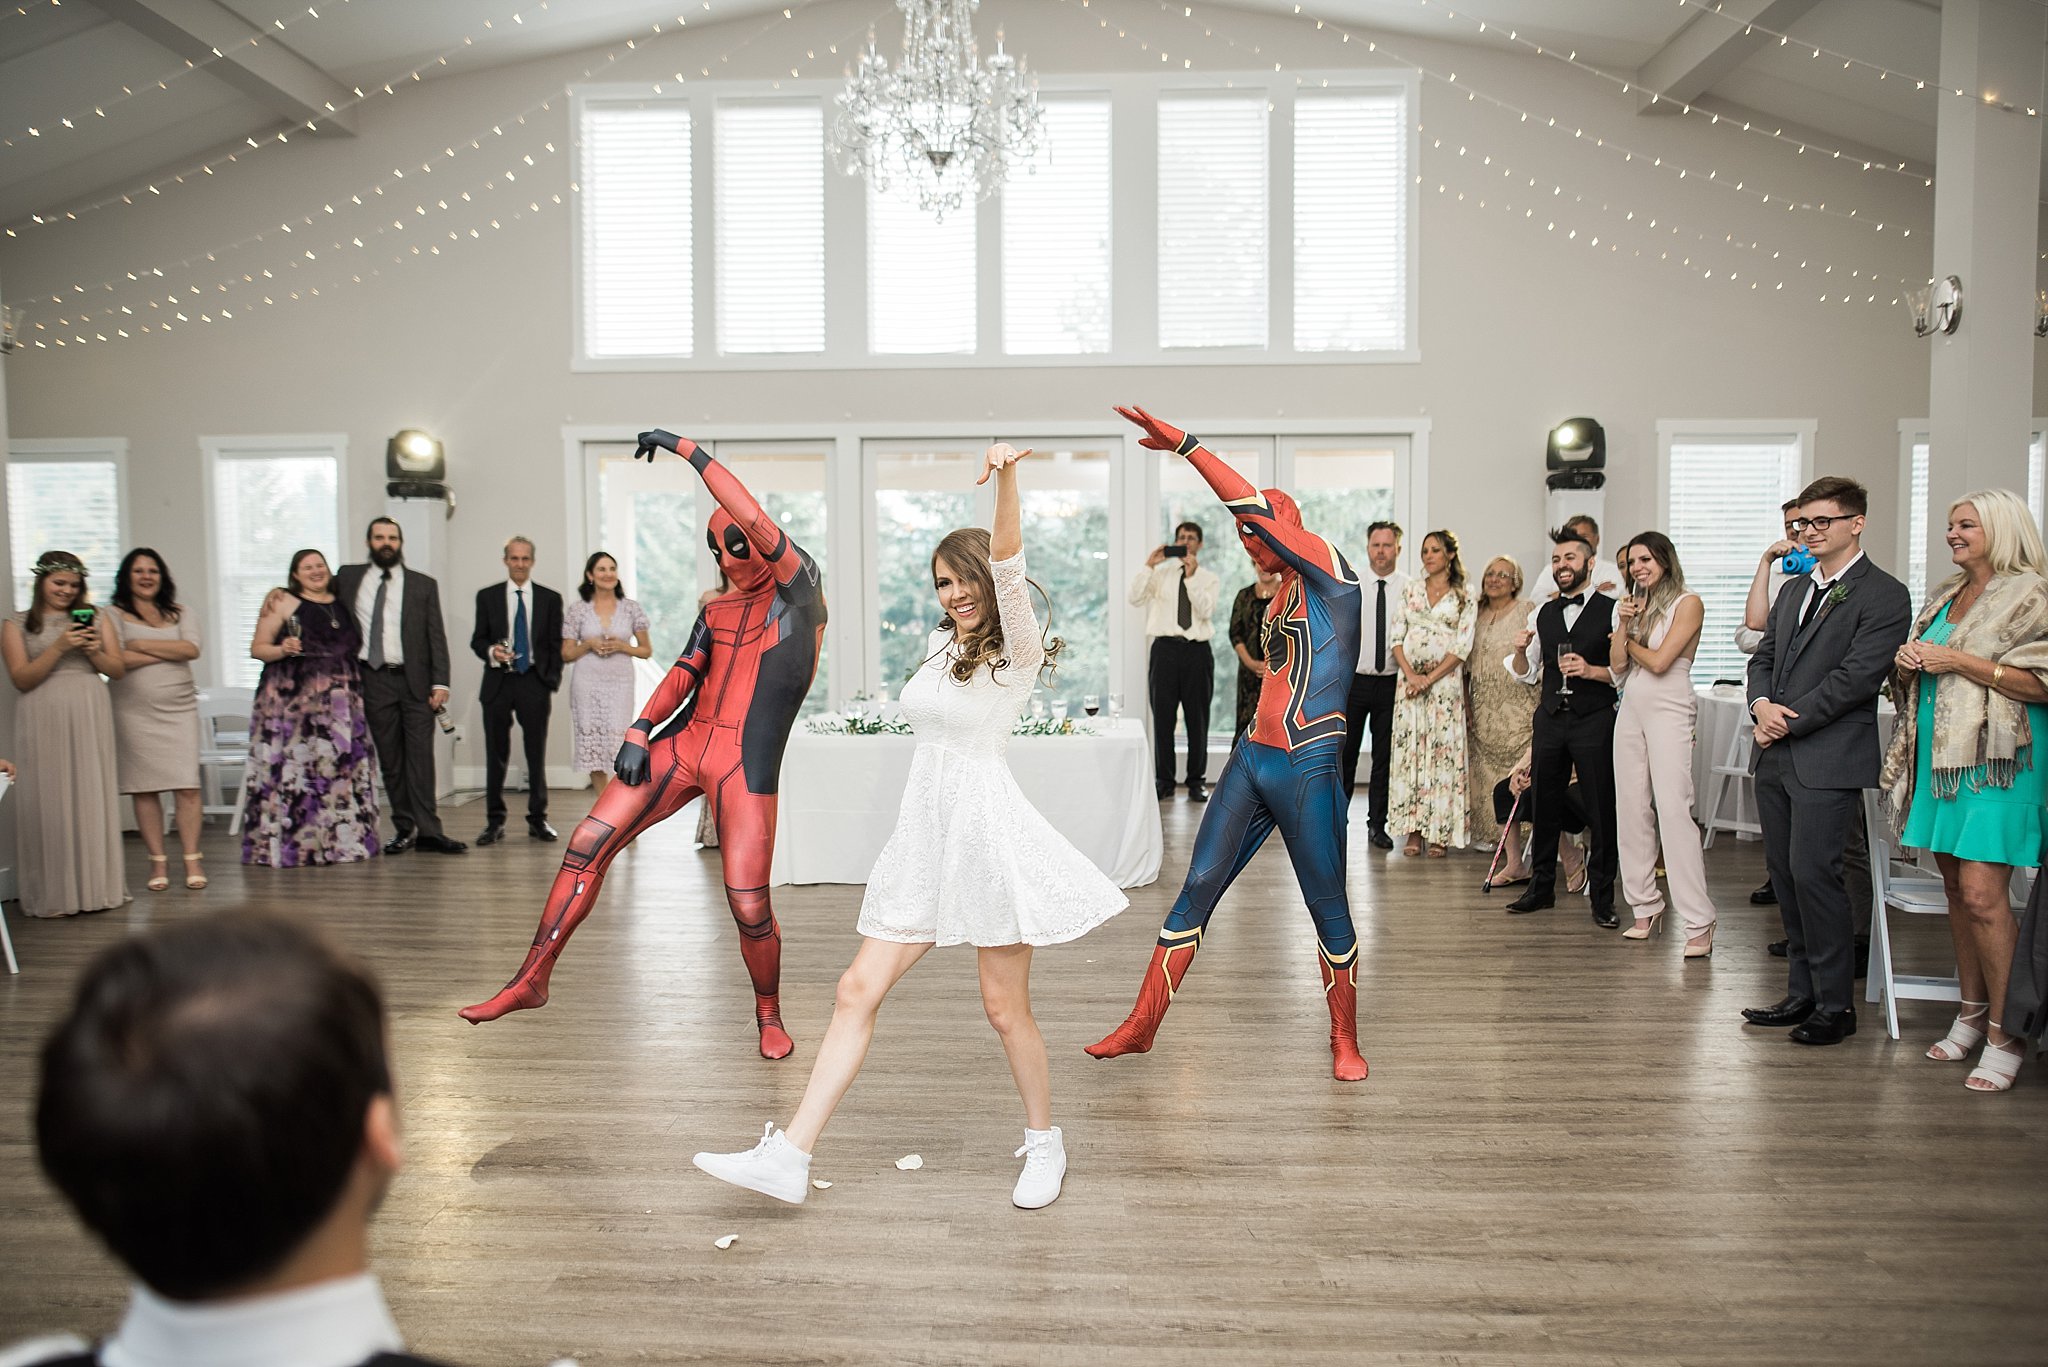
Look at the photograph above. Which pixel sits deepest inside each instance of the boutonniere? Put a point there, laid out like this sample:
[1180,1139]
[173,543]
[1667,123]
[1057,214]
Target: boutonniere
[1837,594]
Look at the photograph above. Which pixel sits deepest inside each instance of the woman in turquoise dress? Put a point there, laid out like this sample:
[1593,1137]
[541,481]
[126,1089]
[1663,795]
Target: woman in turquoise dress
[1965,777]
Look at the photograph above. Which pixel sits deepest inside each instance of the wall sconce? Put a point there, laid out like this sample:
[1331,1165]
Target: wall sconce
[1936,306]
[2041,313]
[10,324]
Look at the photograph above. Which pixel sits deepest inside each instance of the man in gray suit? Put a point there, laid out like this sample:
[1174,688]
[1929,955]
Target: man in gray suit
[1813,686]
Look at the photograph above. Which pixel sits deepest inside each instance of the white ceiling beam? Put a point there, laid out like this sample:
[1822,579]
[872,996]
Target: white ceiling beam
[267,71]
[1710,47]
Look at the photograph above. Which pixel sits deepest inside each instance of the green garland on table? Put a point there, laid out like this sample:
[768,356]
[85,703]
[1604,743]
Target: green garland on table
[832,724]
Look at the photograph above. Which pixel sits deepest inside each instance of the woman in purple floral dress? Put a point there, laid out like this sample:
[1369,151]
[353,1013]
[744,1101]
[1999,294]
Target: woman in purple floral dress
[311,796]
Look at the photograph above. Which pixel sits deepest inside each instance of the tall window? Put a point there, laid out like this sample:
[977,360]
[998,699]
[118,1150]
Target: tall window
[270,497]
[1065,506]
[1922,520]
[66,496]
[770,202]
[1722,508]
[1056,236]
[1351,221]
[920,276]
[920,493]
[789,480]
[1212,220]
[638,294]
[648,523]
[1343,488]
[1184,496]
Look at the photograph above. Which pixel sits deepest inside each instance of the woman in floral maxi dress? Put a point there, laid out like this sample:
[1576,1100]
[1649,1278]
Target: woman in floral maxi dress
[1433,637]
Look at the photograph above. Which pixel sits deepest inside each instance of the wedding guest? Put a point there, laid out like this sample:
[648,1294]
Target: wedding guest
[1248,639]
[518,636]
[1966,776]
[1602,576]
[1502,706]
[1432,640]
[1513,791]
[68,811]
[1764,586]
[1179,598]
[156,712]
[1369,709]
[603,632]
[310,796]
[1656,633]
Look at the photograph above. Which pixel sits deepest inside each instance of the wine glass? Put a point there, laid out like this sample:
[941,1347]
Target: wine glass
[504,644]
[856,708]
[1564,688]
[1091,704]
[1059,709]
[292,630]
[1038,704]
[1116,706]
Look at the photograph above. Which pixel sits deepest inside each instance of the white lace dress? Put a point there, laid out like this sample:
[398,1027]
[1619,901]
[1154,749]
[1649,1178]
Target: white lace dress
[971,860]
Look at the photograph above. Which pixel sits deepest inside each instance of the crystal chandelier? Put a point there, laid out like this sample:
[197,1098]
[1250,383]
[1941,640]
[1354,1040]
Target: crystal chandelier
[948,126]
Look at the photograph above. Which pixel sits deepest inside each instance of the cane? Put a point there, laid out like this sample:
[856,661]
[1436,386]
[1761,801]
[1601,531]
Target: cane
[1507,829]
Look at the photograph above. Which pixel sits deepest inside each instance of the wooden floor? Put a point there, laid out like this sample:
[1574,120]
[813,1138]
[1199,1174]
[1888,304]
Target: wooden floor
[1570,1150]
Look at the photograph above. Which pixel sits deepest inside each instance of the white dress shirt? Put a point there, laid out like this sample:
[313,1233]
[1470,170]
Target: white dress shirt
[1815,584]
[1154,589]
[394,610]
[1534,673]
[337,1323]
[1368,603]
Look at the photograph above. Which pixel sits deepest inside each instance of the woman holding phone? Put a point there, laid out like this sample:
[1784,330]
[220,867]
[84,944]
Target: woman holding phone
[70,808]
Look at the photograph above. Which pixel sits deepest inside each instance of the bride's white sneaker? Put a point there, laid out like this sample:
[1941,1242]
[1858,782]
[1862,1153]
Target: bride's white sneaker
[1045,1164]
[775,1167]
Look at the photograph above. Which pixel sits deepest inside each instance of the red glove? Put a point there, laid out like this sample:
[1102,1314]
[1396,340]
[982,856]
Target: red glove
[1158,435]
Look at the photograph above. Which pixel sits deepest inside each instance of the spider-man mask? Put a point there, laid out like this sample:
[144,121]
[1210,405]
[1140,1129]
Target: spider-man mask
[745,570]
[1285,510]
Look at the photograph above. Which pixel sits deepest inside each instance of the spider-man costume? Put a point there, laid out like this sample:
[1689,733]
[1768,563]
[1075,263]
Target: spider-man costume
[1286,772]
[738,684]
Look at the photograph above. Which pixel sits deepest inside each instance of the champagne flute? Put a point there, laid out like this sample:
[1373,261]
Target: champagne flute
[1116,707]
[1564,688]
[1059,709]
[292,630]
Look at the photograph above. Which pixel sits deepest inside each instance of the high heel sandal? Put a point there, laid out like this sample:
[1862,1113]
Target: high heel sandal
[1436,851]
[161,879]
[195,877]
[1700,946]
[1413,849]
[1955,1046]
[1997,1066]
[1575,880]
[1645,927]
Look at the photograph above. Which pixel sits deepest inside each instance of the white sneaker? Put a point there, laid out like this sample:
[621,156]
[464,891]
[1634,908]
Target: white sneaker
[1045,1163]
[774,1167]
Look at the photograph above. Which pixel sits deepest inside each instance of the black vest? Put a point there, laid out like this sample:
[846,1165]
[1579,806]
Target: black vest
[1589,637]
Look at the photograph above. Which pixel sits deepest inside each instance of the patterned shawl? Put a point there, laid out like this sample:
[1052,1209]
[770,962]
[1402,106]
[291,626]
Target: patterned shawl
[1975,729]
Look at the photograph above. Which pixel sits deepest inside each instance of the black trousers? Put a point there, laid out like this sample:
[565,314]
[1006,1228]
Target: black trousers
[1806,831]
[1573,815]
[1565,742]
[525,699]
[1370,703]
[402,728]
[1183,679]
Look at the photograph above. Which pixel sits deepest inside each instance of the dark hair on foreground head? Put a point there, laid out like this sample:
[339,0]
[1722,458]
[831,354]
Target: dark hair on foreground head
[1570,534]
[166,591]
[587,590]
[1383,525]
[1852,498]
[202,1103]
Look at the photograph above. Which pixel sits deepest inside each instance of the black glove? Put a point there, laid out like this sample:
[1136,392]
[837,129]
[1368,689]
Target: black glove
[633,764]
[656,439]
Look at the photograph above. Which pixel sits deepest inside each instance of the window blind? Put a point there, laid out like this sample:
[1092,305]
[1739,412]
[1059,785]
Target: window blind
[921,280]
[1213,226]
[265,507]
[769,198]
[1724,495]
[1056,218]
[638,291]
[1351,221]
[1916,527]
[64,505]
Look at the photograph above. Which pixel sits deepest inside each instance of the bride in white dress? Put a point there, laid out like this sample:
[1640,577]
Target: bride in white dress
[971,860]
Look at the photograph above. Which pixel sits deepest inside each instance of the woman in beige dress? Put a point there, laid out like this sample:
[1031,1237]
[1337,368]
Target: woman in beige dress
[1503,708]
[156,712]
[68,817]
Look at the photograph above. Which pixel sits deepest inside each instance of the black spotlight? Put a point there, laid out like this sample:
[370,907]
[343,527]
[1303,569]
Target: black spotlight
[415,465]
[1576,454]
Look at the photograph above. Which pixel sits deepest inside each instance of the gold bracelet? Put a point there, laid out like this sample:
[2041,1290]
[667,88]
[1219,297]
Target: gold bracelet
[1997,673]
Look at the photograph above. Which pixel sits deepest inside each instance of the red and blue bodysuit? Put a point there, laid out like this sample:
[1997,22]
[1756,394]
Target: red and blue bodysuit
[733,694]
[1287,771]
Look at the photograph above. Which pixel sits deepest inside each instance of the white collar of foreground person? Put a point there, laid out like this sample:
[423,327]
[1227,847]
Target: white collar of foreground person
[1822,578]
[336,1323]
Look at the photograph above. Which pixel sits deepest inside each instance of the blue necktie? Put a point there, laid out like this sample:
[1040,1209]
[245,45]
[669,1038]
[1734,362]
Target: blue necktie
[522,646]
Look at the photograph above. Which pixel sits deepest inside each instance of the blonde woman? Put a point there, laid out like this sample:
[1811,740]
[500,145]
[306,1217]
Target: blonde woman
[1432,639]
[1502,707]
[1965,776]
[971,860]
[1656,634]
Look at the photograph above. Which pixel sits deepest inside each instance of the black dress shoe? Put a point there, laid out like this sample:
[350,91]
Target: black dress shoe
[540,830]
[1531,901]
[1791,1011]
[1765,896]
[1778,949]
[1827,1027]
[441,844]
[493,833]
[1379,839]
[1165,791]
[1197,793]
[400,843]
[1605,918]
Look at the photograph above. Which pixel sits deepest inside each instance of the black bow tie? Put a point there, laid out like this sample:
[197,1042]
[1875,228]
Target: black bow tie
[1578,598]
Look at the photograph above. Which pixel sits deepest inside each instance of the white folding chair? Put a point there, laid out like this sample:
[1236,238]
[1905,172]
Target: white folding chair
[6,940]
[1730,778]
[1917,894]
[224,751]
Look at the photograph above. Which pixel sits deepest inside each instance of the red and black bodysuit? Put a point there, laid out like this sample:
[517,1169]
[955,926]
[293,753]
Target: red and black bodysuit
[732,695]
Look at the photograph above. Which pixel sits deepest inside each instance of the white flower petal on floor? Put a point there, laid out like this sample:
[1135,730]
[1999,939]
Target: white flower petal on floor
[725,1240]
[910,1162]
[821,1184]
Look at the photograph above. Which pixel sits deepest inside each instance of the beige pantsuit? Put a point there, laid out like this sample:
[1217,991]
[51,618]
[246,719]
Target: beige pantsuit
[1653,769]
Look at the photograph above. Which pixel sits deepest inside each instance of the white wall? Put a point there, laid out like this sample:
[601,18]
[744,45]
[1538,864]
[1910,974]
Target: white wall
[1518,326]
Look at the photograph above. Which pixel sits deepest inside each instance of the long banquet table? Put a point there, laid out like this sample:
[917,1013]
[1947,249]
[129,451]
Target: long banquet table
[840,794]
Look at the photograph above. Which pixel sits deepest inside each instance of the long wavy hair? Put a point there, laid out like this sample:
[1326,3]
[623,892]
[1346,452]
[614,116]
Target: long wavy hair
[166,591]
[2011,541]
[1449,540]
[47,564]
[1668,589]
[967,552]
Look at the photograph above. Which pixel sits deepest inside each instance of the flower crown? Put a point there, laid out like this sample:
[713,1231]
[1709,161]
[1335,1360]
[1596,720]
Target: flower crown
[47,567]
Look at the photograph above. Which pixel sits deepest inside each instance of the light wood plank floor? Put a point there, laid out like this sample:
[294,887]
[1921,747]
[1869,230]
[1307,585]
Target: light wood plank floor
[1570,1149]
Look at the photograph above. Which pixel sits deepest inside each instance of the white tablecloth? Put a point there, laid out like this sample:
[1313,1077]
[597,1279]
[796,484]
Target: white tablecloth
[840,795]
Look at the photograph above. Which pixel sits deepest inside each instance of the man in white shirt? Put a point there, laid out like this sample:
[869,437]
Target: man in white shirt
[1179,599]
[1371,704]
[1601,574]
[242,1205]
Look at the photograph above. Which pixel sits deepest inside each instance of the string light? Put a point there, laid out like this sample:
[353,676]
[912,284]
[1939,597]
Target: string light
[79,118]
[33,5]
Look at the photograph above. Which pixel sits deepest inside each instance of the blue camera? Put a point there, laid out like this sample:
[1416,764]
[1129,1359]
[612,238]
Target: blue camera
[1798,560]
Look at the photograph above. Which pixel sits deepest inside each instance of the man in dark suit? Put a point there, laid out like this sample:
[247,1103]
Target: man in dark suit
[1813,686]
[518,636]
[405,680]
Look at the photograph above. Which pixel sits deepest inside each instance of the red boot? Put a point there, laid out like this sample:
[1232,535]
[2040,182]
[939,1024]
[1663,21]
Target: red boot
[1162,980]
[775,1041]
[568,903]
[761,949]
[1340,990]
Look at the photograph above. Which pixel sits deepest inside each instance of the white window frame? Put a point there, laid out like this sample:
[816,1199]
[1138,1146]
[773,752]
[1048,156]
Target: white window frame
[258,447]
[1134,100]
[78,450]
[1913,431]
[1671,430]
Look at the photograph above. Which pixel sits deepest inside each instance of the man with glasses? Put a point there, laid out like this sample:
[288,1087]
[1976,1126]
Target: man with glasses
[1813,686]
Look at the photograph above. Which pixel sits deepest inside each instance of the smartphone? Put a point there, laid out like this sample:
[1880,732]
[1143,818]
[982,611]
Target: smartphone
[82,617]
[1176,551]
